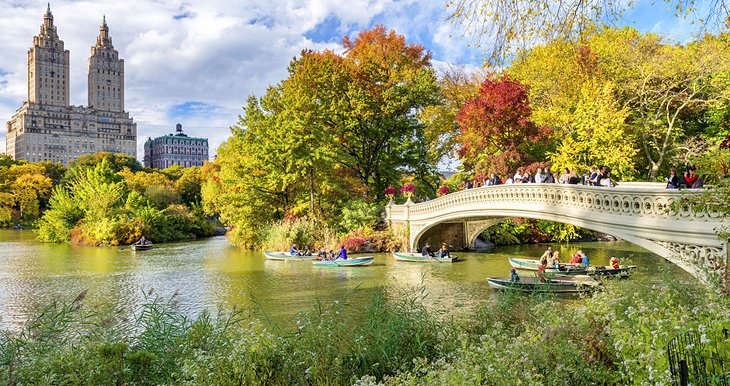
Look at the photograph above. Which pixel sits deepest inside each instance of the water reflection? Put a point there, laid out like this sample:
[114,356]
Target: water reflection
[211,273]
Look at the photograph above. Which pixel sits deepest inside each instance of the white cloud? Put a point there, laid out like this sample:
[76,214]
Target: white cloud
[216,52]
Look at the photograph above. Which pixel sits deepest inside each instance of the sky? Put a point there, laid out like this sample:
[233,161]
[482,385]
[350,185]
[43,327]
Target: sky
[195,62]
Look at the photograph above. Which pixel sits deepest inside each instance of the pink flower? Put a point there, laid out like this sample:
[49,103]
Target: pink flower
[408,190]
[443,190]
[390,192]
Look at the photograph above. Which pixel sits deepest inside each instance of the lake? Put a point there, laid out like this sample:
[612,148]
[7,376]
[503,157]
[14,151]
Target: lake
[210,273]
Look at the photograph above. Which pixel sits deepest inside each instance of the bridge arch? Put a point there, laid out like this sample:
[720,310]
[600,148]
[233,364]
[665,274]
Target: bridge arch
[638,214]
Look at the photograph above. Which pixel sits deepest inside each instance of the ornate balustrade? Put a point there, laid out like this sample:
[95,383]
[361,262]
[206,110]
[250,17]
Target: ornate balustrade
[639,213]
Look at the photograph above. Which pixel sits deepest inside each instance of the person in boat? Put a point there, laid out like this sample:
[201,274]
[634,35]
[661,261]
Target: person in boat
[514,277]
[426,251]
[576,260]
[294,251]
[614,262]
[444,251]
[342,254]
[541,273]
[584,261]
[142,241]
[556,260]
[332,255]
[548,254]
[322,255]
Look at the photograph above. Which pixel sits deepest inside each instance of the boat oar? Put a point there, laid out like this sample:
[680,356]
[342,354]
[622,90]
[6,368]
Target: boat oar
[435,258]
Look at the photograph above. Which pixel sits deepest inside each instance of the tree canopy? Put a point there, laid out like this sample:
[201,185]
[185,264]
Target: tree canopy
[505,27]
[340,127]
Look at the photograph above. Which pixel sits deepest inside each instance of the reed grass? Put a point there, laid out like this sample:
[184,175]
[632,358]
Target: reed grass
[614,337]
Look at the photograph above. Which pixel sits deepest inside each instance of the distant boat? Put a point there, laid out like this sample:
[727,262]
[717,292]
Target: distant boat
[567,269]
[531,284]
[359,261]
[419,258]
[286,256]
[141,247]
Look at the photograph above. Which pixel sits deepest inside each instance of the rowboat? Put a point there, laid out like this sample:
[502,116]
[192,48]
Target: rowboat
[419,258]
[567,269]
[531,284]
[366,260]
[286,256]
[141,247]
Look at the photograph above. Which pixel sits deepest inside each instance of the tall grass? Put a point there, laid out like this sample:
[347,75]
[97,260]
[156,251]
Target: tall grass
[616,336]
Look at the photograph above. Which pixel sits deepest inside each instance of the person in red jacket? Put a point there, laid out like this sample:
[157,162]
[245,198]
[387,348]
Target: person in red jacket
[614,262]
[575,261]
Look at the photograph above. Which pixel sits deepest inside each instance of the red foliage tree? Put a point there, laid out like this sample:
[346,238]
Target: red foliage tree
[497,134]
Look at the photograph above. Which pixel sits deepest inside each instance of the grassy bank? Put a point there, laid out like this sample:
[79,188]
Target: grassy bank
[617,336]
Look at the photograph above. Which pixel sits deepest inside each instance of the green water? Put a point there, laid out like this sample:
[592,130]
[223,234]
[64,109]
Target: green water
[209,273]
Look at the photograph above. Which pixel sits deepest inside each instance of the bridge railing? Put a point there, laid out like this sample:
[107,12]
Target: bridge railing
[628,199]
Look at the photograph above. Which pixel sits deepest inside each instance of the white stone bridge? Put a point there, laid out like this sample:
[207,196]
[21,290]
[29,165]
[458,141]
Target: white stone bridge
[636,212]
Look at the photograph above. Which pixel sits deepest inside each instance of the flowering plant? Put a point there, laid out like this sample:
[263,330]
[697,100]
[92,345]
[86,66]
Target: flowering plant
[408,190]
[443,190]
[390,192]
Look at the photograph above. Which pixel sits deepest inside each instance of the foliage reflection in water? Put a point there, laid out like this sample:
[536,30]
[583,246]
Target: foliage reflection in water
[210,273]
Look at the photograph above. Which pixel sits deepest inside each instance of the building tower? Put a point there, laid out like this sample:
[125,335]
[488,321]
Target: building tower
[47,128]
[48,66]
[106,74]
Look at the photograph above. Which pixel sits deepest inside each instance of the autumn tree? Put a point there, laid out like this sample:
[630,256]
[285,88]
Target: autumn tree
[339,127]
[25,188]
[497,134]
[505,27]
[570,92]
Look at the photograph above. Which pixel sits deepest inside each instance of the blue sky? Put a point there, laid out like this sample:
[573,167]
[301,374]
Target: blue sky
[196,61]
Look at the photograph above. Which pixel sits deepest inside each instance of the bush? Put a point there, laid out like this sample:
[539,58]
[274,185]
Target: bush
[305,234]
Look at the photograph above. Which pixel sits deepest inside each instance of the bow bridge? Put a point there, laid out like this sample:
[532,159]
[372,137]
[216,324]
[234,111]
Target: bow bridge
[636,212]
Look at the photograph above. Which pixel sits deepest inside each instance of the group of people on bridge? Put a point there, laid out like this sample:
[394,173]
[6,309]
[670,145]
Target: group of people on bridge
[689,180]
[595,177]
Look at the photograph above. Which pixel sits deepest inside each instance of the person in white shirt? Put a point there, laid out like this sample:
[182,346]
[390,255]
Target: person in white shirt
[539,177]
[518,176]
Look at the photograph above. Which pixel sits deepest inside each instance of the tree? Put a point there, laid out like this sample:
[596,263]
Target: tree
[388,83]
[339,127]
[28,189]
[598,135]
[669,84]
[502,27]
[116,161]
[455,88]
[570,92]
[497,134]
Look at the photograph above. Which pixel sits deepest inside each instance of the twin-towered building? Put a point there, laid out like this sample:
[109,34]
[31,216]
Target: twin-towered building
[48,128]
[175,149]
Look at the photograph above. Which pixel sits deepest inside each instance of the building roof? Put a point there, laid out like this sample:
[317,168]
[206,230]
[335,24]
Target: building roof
[175,137]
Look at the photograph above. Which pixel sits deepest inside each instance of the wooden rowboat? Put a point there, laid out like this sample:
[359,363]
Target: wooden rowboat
[419,258]
[531,284]
[359,261]
[286,256]
[567,269]
[141,247]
